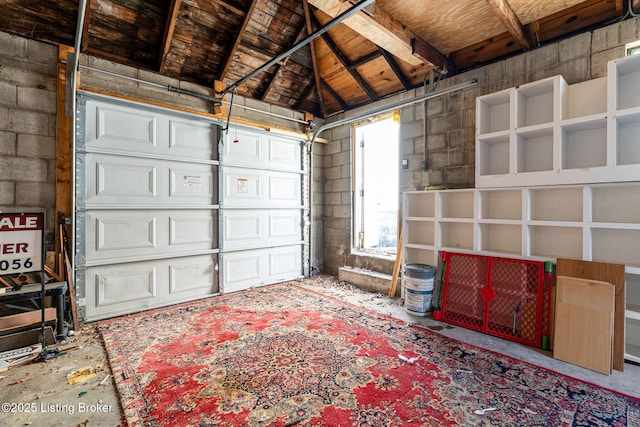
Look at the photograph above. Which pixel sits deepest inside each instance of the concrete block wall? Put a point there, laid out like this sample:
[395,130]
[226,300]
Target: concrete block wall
[449,145]
[28,73]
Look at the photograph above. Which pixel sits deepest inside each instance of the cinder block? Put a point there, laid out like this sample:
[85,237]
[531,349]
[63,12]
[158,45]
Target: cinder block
[5,123]
[41,53]
[7,143]
[605,38]
[333,199]
[36,146]
[342,158]
[342,184]
[334,172]
[371,281]
[22,169]
[35,194]
[8,94]
[29,122]
[599,61]
[13,46]
[25,74]
[575,47]
[7,192]
[37,99]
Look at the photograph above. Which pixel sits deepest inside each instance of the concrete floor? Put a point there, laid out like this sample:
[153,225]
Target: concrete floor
[38,394]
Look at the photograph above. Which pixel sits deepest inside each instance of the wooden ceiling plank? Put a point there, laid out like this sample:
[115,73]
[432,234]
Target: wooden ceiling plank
[314,58]
[280,67]
[167,38]
[394,39]
[503,10]
[234,48]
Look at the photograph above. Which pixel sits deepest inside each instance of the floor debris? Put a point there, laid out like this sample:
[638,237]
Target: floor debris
[80,375]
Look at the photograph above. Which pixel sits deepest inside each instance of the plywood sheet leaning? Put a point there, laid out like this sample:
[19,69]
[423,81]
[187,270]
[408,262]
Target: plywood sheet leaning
[584,323]
[604,272]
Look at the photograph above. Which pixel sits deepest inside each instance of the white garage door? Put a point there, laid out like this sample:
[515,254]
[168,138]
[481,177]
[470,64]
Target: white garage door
[264,233]
[147,213]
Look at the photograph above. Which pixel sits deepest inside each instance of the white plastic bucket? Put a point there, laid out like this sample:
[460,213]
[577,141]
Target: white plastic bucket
[417,282]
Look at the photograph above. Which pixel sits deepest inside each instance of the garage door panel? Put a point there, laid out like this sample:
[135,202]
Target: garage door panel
[249,188]
[259,267]
[284,263]
[134,130]
[114,290]
[249,148]
[114,127]
[115,179]
[117,234]
[188,228]
[192,274]
[285,154]
[117,286]
[242,270]
[120,180]
[196,183]
[245,229]
[189,139]
[285,188]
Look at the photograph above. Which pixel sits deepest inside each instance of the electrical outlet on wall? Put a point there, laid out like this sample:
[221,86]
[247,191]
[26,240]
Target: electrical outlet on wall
[405,163]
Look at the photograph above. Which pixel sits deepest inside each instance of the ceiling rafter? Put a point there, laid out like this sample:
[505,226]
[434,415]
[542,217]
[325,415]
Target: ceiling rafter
[395,67]
[239,36]
[314,59]
[505,12]
[230,7]
[334,95]
[279,68]
[306,93]
[167,38]
[386,32]
[85,28]
[347,65]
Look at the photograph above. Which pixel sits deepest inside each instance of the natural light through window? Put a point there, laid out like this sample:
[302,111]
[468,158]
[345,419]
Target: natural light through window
[376,186]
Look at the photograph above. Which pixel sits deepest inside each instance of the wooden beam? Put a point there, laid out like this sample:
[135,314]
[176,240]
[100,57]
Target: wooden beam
[345,63]
[230,7]
[85,27]
[334,94]
[314,58]
[64,129]
[503,10]
[170,27]
[383,30]
[239,36]
[396,68]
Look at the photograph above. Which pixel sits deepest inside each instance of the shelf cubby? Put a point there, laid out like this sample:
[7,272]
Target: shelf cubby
[493,155]
[420,232]
[500,204]
[585,98]
[535,102]
[420,256]
[494,112]
[616,204]
[506,239]
[632,339]
[420,204]
[457,204]
[555,242]
[624,82]
[556,204]
[620,246]
[628,131]
[456,235]
[584,144]
[534,150]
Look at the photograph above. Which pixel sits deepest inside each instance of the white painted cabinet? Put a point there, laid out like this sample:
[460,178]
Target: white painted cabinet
[595,222]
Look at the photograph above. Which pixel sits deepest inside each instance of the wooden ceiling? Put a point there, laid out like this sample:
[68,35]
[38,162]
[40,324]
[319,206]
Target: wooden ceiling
[388,47]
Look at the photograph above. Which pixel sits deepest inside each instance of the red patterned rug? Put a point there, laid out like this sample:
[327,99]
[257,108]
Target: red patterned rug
[283,355]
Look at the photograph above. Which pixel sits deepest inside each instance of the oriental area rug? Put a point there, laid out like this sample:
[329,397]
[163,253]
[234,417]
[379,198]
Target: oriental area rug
[284,355]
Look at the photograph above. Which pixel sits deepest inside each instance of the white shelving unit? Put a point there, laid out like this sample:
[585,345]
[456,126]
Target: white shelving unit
[557,175]
[550,133]
[594,222]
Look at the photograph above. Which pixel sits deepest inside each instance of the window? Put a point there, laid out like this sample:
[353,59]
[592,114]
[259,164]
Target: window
[376,185]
